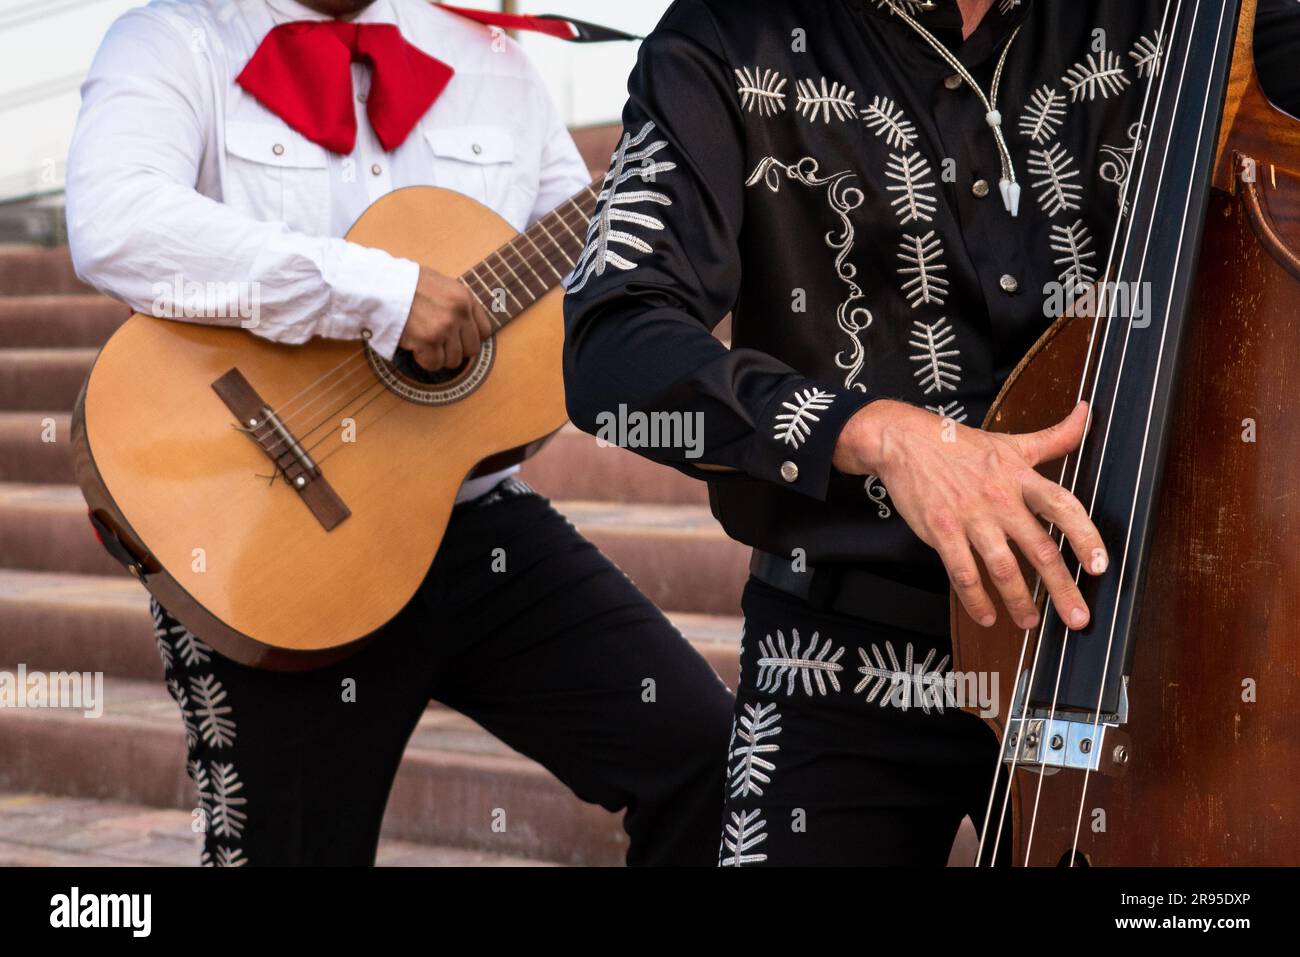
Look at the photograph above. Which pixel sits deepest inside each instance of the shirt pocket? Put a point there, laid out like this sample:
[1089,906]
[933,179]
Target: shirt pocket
[478,161]
[274,173]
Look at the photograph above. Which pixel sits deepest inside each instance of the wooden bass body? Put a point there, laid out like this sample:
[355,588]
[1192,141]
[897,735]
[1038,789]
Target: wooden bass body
[1205,769]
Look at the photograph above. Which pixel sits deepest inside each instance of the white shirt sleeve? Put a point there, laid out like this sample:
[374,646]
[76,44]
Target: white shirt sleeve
[563,171]
[136,219]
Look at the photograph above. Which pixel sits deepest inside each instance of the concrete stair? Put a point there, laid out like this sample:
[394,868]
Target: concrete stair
[64,605]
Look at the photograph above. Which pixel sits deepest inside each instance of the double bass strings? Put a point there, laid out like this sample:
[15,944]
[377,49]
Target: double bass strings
[1164,330]
[1015,761]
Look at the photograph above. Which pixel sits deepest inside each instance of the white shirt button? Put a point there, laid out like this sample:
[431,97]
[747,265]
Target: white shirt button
[1008,283]
[789,471]
[376,169]
[277,149]
[477,148]
[361,97]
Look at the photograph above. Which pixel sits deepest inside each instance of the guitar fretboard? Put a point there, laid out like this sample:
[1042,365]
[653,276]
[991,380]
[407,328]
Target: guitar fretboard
[533,263]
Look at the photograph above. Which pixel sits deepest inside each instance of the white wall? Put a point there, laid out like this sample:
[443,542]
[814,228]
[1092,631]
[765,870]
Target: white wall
[47,45]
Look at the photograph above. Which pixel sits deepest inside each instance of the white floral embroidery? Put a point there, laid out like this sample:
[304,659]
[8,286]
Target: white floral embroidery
[225,816]
[1118,162]
[187,714]
[830,99]
[922,254]
[793,427]
[628,162]
[1055,184]
[1073,244]
[1006,6]
[950,410]
[764,92]
[1044,114]
[936,372]
[751,770]
[878,494]
[745,832]
[910,174]
[776,663]
[908,684]
[844,198]
[1146,55]
[215,724]
[886,119]
[226,857]
[1100,74]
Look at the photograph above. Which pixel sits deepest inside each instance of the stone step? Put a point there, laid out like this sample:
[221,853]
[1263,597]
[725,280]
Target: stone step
[677,554]
[44,830]
[54,621]
[453,776]
[36,447]
[58,321]
[36,379]
[35,270]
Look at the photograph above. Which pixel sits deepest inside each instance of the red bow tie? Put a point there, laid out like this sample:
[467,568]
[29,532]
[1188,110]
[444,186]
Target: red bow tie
[301,72]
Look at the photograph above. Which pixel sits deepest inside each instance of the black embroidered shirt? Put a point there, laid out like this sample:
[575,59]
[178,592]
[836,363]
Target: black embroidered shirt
[818,170]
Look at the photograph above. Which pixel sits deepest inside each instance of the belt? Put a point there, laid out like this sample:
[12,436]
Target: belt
[856,593]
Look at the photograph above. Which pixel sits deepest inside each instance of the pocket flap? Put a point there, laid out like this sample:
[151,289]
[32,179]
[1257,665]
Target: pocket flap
[472,144]
[273,145]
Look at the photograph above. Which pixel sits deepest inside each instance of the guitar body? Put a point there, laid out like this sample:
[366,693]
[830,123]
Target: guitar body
[1211,750]
[240,558]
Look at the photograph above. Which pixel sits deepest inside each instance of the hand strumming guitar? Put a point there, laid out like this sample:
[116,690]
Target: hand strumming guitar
[446,324]
[978,490]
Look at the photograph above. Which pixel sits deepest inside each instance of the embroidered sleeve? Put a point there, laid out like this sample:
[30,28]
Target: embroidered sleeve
[662,268]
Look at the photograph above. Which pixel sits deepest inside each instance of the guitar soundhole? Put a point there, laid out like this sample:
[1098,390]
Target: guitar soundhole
[403,376]
[404,364]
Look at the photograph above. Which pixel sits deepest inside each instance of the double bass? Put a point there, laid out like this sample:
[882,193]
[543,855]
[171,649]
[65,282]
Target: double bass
[1167,732]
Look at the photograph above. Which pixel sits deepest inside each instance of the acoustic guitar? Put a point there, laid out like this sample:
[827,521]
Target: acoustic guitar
[285,502]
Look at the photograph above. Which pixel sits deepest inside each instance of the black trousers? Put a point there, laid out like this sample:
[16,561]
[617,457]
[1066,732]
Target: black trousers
[556,653]
[839,756]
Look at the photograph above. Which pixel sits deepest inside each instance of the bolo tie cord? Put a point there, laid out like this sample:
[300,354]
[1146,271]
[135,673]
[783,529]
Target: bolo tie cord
[1008,186]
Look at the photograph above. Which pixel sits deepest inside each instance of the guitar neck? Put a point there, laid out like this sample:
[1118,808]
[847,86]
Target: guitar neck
[534,262]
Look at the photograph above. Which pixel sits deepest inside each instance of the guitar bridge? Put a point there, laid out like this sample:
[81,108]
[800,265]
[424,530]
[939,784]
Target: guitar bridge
[278,443]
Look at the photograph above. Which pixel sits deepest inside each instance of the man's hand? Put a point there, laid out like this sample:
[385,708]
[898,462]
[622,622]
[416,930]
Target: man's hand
[446,325]
[978,490]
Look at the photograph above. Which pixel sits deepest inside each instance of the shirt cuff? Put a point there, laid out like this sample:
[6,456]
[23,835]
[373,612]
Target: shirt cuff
[371,291]
[798,432]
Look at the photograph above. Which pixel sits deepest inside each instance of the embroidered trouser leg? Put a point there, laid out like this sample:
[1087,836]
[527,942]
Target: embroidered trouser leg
[838,757]
[522,625]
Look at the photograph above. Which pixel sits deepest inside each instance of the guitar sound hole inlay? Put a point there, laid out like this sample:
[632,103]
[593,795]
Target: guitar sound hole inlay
[403,377]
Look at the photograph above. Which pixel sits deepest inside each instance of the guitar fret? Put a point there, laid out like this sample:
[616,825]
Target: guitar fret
[558,274]
[500,285]
[569,229]
[543,255]
[474,273]
[505,262]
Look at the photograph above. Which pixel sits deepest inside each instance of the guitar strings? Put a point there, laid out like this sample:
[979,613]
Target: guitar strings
[1164,332]
[522,260]
[528,262]
[1011,721]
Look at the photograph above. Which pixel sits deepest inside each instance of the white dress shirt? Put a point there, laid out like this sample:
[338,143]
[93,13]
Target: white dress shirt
[176,171]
